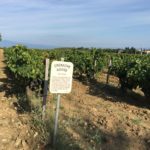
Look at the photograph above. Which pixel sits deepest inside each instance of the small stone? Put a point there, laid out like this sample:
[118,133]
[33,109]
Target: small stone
[130,111]
[91,141]
[25,146]
[36,134]
[15,108]
[3,98]
[94,127]
[27,131]
[85,123]
[18,142]
[19,123]
[94,109]
[4,141]
[148,141]
[140,133]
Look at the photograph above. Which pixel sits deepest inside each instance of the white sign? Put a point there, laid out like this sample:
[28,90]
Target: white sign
[61,77]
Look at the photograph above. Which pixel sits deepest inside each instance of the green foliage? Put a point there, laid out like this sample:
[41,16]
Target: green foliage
[24,62]
[131,50]
[132,71]
[28,65]
[86,63]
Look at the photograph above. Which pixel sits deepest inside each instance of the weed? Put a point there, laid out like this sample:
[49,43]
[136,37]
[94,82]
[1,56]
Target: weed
[136,121]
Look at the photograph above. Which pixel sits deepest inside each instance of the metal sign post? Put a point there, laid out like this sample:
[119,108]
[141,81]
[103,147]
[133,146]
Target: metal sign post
[56,118]
[60,82]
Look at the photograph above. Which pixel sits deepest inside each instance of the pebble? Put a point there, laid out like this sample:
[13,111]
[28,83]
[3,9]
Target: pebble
[36,134]
[18,142]
[19,123]
[4,141]
[85,124]
[148,141]
[12,120]
[25,146]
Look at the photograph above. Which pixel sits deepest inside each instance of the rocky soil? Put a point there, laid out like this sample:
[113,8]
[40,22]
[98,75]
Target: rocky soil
[15,132]
[98,116]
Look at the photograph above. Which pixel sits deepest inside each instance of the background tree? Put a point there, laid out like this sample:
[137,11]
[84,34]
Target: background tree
[131,50]
[0,37]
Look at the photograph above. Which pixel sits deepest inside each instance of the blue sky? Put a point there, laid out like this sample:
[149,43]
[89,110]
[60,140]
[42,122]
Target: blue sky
[88,23]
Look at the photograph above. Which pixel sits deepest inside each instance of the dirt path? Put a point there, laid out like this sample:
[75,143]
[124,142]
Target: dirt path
[14,131]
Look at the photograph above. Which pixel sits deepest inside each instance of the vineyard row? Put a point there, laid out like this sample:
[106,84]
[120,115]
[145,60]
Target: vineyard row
[27,65]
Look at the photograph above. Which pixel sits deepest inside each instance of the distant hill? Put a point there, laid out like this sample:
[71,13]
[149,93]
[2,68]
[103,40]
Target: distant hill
[7,43]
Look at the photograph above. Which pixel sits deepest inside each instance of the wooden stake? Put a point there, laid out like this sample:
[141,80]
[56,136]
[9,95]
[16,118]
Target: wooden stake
[108,74]
[45,88]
